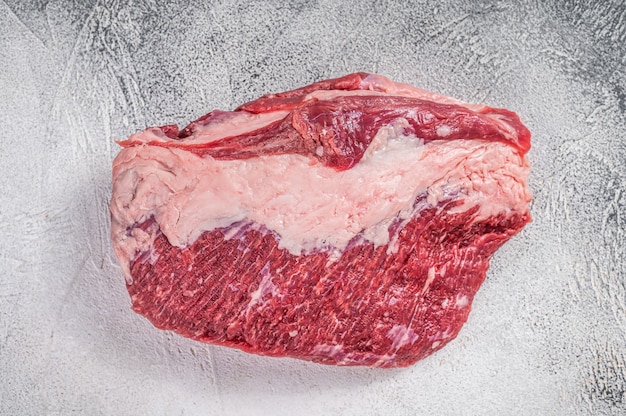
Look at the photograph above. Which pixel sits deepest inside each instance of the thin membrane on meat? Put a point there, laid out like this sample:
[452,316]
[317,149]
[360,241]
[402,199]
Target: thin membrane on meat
[348,222]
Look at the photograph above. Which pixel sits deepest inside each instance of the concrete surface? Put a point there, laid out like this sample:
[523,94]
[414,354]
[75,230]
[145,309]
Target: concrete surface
[547,333]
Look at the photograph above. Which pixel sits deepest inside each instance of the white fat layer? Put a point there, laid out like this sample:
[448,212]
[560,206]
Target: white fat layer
[380,83]
[307,205]
[236,124]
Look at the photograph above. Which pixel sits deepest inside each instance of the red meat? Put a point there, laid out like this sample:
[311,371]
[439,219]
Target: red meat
[239,282]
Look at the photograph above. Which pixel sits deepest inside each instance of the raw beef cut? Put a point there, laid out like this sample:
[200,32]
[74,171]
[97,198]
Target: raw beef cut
[347,222]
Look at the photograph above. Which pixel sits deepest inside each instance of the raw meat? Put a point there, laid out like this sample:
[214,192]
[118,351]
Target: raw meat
[348,222]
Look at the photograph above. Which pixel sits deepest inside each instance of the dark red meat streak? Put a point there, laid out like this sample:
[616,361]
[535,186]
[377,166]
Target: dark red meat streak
[348,302]
[205,291]
[344,127]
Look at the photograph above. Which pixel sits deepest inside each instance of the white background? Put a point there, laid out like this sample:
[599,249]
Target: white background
[547,333]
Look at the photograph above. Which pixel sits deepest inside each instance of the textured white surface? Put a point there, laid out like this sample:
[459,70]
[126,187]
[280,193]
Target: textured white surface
[547,333]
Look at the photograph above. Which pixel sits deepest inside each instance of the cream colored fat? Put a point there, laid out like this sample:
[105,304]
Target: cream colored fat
[307,205]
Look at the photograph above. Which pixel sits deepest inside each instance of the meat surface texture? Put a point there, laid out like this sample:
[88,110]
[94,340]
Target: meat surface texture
[348,222]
